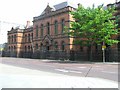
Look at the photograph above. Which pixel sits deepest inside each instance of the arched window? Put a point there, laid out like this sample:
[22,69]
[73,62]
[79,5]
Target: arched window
[28,48]
[25,49]
[56,27]
[62,25]
[36,46]
[48,28]
[47,46]
[9,48]
[62,45]
[81,48]
[42,29]
[41,46]
[56,45]
[31,48]
[14,48]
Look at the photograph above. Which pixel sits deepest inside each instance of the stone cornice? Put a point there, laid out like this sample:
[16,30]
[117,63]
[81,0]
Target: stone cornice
[53,13]
[15,31]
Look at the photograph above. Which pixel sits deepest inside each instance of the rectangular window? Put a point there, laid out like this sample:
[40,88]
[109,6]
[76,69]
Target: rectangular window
[12,39]
[42,28]
[25,38]
[9,39]
[56,27]
[32,37]
[15,38]
[62,25]
[48,28]
[36,31]
[29,38]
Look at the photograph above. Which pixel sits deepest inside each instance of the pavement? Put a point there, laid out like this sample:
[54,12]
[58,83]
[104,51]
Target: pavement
[17,77]
[64,61]
[86,62]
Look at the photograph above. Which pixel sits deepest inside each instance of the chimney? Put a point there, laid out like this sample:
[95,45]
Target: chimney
[28,24]
[78,4]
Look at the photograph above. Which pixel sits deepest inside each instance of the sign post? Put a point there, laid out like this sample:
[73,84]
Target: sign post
[103,49]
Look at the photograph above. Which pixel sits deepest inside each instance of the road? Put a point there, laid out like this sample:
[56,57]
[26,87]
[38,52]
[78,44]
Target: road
[99,70]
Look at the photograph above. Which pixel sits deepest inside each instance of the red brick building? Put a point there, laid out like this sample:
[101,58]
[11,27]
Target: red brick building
[47,39]
[48,28]
[46,34]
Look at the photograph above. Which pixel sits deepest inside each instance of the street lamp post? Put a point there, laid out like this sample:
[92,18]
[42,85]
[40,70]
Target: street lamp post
[103,49]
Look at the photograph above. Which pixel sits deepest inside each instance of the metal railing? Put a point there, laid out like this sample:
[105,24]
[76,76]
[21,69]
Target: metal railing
[111,55]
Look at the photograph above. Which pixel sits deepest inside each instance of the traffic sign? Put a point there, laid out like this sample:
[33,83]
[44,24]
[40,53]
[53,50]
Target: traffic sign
[104,46]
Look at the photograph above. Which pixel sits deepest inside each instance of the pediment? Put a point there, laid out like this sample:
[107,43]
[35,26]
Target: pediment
[47,10]
[47,38]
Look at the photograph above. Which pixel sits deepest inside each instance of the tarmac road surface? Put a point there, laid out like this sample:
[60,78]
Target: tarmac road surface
[17,77]
[101,70]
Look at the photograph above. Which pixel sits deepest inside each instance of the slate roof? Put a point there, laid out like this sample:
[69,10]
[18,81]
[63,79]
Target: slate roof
[56,7]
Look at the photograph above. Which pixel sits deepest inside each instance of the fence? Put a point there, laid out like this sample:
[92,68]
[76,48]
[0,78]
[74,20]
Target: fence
[110,55]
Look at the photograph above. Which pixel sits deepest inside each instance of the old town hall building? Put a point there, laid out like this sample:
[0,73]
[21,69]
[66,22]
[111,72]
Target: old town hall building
[46,38]
[46,34]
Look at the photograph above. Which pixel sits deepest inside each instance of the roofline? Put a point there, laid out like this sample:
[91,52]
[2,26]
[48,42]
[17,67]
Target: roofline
[46,16]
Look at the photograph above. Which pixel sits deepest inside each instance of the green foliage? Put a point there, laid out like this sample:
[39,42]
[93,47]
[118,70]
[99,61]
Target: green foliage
[93,25]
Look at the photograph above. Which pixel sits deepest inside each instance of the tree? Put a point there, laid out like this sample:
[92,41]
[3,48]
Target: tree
[93,26]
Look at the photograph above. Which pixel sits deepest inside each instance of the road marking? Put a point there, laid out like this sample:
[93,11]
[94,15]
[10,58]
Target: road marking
[63,70]
[109,72]
[47,65]
[82,67]
[97,66]
[75,71]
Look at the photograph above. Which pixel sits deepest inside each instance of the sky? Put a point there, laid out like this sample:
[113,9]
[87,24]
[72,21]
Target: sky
[18,12]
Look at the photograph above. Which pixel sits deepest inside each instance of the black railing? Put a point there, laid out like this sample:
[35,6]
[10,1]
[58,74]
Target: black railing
[110,55]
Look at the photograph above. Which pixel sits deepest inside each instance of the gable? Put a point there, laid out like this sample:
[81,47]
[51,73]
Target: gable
[47,10]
